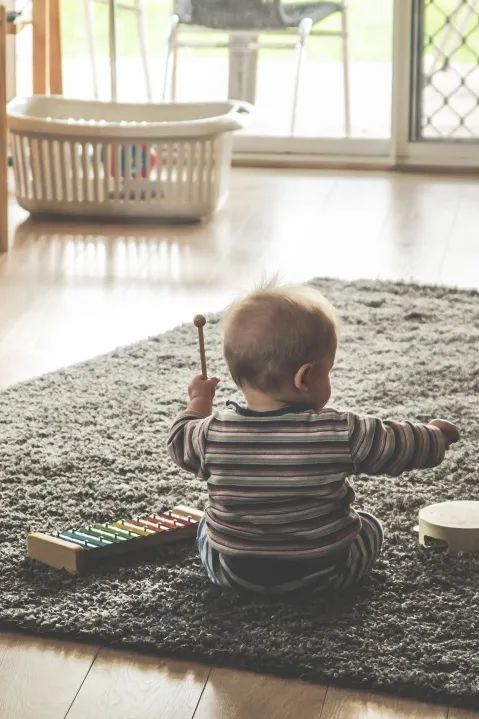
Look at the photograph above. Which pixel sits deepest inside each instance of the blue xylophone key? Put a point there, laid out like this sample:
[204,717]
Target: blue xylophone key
[70,537]
[76,534]
[89,532]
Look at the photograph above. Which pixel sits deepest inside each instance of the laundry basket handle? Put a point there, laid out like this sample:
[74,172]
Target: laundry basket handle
[239,116]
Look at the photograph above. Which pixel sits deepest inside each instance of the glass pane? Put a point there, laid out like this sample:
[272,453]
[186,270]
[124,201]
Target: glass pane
[447,76]
[320,109]
[203,72]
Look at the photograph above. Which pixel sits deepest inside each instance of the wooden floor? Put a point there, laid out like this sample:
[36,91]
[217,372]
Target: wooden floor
[69,291]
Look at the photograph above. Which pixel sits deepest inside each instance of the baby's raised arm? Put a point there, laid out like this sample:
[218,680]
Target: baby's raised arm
[187,436]
[389,447]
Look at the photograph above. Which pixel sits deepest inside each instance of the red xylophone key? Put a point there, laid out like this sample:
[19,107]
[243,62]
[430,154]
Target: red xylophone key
[143,524]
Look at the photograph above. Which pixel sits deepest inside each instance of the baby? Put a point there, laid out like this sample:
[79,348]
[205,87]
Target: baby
[280,514]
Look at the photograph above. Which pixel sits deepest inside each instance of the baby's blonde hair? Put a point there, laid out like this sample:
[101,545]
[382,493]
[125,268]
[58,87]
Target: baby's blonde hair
[274,330]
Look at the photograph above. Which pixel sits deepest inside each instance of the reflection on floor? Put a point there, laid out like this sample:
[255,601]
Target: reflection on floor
[70,290]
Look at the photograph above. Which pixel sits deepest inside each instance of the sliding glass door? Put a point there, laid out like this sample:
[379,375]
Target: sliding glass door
[446,78]
[332,96]
[343,93]
[436,86]
[377,82]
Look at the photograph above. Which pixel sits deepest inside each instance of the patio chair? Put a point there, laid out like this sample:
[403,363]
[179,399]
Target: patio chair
[247,17]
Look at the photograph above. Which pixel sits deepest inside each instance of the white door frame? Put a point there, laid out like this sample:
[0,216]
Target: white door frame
[11,57]
[422,153]
[397,152]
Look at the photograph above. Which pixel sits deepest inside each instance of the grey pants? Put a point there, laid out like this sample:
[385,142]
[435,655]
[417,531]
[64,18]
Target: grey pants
[360,557]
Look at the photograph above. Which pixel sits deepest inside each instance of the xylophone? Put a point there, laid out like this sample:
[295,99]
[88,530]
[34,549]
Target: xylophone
[78,549]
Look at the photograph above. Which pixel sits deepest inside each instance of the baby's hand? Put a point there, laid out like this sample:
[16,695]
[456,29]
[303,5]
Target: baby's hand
[200,388]
[449,430]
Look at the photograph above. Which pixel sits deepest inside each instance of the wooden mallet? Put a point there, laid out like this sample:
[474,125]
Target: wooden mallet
[199,321]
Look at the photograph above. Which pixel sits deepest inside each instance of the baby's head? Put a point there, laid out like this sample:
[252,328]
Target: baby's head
[280,343]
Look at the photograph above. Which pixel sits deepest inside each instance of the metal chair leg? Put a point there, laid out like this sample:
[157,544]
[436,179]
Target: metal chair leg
[174,68]
[113,50]
[91,45]
[171,55]
[345,43]
[140,17]
[303,31]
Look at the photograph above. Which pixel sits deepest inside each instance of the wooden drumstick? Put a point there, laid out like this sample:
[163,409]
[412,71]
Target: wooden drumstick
[199,321]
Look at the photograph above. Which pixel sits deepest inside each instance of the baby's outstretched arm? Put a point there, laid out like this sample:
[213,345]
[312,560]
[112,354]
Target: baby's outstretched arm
[449,430]
[186,440]
[389,447]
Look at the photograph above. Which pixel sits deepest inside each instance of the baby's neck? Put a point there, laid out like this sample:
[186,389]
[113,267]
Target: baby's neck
[259,401]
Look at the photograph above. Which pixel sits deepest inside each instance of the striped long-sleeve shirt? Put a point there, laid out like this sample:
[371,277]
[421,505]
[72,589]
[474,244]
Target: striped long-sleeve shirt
[277,481]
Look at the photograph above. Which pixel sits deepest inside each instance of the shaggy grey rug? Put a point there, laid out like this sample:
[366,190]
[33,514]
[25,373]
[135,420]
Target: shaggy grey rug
[88,443]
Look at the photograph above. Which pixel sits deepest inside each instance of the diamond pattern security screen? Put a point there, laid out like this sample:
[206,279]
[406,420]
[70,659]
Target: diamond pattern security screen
[445,102]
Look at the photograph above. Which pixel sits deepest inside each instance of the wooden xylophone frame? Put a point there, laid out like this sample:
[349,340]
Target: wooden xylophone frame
[77,550]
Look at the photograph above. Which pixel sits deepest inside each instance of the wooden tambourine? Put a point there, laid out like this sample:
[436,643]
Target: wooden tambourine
[454,525]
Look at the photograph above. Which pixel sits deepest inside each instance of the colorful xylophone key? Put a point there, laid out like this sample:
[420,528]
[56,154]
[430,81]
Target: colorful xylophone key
[78,549]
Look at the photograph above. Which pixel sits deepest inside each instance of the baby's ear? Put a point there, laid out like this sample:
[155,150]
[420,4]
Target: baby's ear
[302,376]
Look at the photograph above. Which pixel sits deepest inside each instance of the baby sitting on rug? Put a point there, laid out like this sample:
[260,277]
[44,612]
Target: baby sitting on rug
[280,515]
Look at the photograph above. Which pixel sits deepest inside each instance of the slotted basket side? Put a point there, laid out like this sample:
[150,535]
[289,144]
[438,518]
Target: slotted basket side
[166,169]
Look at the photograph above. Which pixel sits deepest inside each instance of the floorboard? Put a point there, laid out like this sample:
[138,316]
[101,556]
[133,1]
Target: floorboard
[455,713]
[349,704]
[40,677]
[232,694]
[134,686]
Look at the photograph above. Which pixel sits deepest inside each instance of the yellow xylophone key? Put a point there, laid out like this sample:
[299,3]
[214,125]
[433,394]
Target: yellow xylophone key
[125,534]
[125,525]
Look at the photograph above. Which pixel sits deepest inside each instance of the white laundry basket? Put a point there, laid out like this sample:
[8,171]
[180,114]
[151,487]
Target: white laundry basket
[77,157]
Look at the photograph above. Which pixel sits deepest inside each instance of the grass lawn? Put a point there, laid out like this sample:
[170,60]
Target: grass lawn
[369,20]
[370,23]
